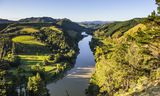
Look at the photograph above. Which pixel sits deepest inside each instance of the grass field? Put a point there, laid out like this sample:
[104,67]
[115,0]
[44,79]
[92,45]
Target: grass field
[29,30]
[32,59]
[26,39]
[49,68]
[54,29]
[28,61]
[32,53]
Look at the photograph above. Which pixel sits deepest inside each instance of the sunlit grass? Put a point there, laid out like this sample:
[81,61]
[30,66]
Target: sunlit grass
[27,40]
[28,61]
[53,28]
[49,68]
[29,30]
[32,59]
[139,27]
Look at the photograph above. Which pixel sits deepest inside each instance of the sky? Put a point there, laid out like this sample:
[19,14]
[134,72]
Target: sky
[77,10]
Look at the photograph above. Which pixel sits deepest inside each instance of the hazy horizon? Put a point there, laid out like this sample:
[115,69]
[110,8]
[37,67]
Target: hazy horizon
[77,10]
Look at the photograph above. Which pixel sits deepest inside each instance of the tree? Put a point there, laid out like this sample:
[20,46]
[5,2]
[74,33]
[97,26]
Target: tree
[7,86]
[1,48]
[20,79]
[55,57]
[158,3]
[36,86]
[39,69]
[14,60]
[152,16]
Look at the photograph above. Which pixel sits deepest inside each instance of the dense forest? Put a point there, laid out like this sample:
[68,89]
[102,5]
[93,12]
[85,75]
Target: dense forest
[127,58]
[34,51]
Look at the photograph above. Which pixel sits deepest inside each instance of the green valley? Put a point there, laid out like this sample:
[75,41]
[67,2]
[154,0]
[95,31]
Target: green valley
[79,48]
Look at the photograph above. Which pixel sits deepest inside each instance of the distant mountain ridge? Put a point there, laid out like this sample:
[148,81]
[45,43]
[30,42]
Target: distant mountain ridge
[67,24]
[64,23]
[49,20]
[35,20]
[96,22]
[38,20]
[5,21]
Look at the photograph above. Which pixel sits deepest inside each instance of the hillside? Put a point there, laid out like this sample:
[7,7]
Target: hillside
[73,29]
[127,58]
[65,23]
[2,21]
[36,47]
[38,20]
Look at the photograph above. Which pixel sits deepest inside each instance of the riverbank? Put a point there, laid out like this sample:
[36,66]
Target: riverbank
[79,76]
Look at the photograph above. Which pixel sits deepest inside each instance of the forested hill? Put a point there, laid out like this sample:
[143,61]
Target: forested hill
[127,58]
[34,53]
[65,23]
[38,20]
[72,28]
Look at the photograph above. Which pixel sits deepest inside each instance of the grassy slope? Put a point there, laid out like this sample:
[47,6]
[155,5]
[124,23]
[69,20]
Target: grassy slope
[33,51]
[127,62]
[30,30]
[27,40]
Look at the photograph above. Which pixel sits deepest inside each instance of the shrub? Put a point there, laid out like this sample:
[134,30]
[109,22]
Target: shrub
[14,60]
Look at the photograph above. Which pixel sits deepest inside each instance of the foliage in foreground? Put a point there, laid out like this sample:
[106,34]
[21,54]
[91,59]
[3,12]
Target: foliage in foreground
[128,59]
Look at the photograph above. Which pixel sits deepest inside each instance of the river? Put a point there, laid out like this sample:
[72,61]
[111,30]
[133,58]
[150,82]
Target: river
[77,79]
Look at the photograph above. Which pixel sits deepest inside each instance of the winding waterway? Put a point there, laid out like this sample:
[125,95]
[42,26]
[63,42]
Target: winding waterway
[77,79]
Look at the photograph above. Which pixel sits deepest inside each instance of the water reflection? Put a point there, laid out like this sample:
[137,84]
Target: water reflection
[77,79]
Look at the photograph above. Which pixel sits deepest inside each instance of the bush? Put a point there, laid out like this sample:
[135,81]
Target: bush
[14,60]
[55,58]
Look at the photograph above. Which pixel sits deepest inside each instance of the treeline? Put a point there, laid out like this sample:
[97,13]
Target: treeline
[34,87]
